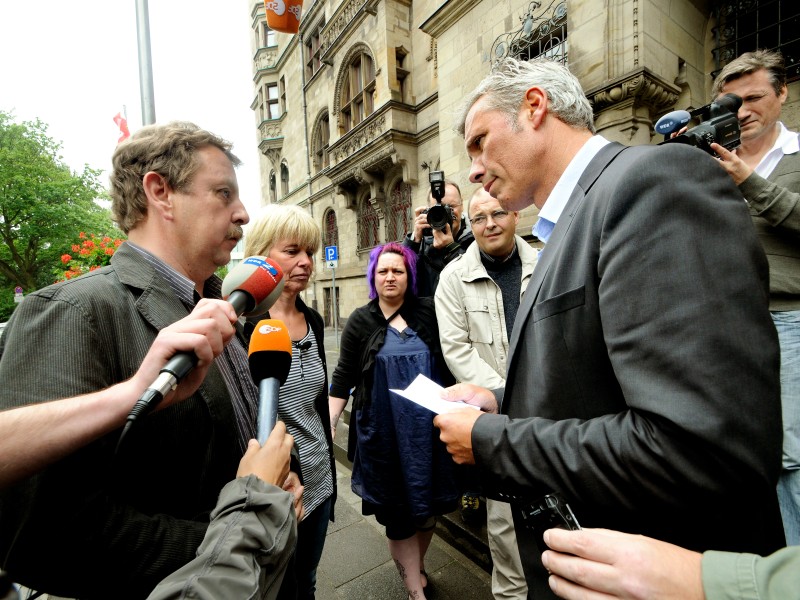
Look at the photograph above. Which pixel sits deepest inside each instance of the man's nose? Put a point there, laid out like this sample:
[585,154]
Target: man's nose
[241,216]
[476,171]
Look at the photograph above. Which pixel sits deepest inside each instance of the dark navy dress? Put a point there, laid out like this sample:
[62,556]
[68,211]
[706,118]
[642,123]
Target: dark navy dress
[400,464]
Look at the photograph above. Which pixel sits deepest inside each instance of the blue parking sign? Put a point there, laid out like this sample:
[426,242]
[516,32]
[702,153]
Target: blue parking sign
[331,253]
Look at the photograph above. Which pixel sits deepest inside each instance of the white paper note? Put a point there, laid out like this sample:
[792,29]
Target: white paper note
[426,393]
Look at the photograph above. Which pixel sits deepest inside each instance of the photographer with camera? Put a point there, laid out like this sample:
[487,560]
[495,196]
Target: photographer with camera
[439,237]
[766,167]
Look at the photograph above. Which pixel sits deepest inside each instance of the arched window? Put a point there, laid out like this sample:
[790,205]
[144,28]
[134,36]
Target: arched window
[358,87]
[399,214]
[330,232]
[367,225]
[273,188]
[319,144]
[284,180]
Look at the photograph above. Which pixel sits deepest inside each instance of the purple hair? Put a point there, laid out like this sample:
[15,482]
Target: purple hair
[409,258]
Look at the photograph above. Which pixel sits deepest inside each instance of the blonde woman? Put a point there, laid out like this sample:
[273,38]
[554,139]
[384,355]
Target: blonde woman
[289,236]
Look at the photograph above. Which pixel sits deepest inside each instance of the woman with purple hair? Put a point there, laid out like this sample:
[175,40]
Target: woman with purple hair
[401,470]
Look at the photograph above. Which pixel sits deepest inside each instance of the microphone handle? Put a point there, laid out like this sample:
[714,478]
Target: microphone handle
[268,391]
[242,302]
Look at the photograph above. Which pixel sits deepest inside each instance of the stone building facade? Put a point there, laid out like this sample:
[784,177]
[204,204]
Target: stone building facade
[354,111]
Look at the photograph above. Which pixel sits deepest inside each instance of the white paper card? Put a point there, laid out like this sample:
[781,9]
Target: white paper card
[426,393]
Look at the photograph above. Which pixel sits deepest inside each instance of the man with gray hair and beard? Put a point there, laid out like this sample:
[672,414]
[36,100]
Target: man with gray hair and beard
[112,524]
[642,382]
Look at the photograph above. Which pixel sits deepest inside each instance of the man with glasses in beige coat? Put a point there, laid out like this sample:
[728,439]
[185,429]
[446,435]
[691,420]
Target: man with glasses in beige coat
[476,303]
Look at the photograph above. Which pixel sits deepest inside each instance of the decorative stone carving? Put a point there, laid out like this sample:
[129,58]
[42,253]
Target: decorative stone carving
[270,130]
[359,137]
[266,58]
[339,23]
[273,154]
[642,87]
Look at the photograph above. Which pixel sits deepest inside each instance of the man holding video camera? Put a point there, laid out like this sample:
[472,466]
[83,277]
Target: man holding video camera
[766,167]
[437,243]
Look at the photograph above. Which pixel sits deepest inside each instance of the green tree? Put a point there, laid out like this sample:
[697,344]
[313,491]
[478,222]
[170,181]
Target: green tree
[43,204]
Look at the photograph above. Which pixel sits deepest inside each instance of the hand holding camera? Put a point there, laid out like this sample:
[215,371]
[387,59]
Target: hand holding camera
[721,125]
[437,220]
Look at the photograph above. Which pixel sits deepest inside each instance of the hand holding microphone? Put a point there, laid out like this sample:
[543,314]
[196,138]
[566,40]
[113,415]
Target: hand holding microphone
[204,332]
[250,288]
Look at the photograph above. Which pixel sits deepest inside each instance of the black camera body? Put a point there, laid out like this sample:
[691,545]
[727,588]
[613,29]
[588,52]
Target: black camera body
[548,512]
[721,126]
[440,215]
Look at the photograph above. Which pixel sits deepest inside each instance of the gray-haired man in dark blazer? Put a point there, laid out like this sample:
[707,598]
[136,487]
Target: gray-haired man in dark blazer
[642,379]
[104,525]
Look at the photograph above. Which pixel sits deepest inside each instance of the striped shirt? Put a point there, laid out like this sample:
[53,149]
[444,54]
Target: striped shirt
[296,409]
[232,363]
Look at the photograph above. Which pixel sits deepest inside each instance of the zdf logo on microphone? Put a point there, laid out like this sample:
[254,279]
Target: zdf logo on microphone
[277,6]
[266,328]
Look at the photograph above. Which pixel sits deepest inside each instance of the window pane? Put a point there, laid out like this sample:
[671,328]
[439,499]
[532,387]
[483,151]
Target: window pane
[331,231]
[369,71]
[355,77]
[399,220]
[367,226]
[269,36]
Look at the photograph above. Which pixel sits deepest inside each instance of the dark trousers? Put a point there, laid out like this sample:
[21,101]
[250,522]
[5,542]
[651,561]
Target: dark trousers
[300,581]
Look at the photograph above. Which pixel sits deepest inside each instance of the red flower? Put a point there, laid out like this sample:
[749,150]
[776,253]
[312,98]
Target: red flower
[75,248]
[65,258]
[85,252]
[88,244]
[106,239]
[81,235]
[117,243]
[94,267]
[110,251]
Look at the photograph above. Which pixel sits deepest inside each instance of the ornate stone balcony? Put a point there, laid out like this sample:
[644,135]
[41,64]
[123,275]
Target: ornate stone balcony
[272,139]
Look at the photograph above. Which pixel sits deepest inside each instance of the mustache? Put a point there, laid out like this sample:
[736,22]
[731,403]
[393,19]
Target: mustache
[235,233]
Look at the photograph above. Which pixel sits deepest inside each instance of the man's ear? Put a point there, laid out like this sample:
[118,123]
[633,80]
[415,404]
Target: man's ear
[159,194]
[534,106]
[784,94]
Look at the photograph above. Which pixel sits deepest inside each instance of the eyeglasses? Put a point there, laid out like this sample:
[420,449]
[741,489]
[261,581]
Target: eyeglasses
[497,216]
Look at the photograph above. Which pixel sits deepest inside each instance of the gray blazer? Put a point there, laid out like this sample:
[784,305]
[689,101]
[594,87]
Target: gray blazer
[96,525]
[643,372]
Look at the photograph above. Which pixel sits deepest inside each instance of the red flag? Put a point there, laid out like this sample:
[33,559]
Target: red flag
[122,123]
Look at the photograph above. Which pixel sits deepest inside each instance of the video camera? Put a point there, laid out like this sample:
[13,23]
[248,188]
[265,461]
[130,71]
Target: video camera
[720,124]
[440,215]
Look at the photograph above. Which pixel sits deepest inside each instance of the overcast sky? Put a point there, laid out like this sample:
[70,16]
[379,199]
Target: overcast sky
[74,65]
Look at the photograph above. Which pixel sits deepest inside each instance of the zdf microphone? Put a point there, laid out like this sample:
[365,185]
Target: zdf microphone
[270,358]
[251,287]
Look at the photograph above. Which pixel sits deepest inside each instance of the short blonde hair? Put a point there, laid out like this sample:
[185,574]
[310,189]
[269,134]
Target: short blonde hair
[276,222]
